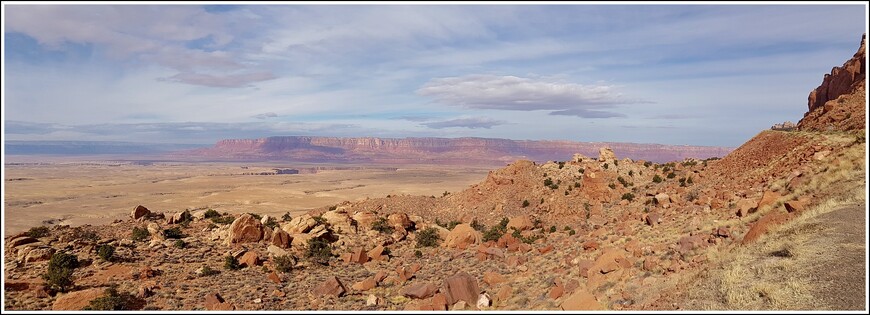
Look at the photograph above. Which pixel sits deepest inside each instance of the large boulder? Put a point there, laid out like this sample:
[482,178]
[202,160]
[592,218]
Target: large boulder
[522,223]
[364,220]
[461,287]
[180,217]
[300,224]
[462,236]
[332,286]
[281,239]
[746,206]
[340,221]
[140,211]
[400,220]
[768,199]
[246,229]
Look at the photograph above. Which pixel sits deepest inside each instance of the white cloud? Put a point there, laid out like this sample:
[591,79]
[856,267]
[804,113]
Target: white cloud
[470,123]
[524,94]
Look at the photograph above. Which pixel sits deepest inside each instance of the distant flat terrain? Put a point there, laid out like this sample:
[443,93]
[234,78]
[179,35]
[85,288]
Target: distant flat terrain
[83,192]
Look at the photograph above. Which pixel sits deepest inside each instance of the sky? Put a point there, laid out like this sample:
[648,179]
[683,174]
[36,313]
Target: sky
[672,74]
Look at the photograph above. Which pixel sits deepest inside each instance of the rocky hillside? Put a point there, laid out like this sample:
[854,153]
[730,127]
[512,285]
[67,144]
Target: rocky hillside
[435,150]
[587,233]
[840,102]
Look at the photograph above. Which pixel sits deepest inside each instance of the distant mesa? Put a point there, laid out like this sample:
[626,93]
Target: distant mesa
[479,151]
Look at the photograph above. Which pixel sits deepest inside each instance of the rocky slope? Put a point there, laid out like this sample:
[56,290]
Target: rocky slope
[588,233]
[839,103]
[435,150]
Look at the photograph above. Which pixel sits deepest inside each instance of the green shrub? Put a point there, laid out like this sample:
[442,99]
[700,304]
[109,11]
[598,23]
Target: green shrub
[647,163]
[320,219]
[477,226]
[581,170]
[572,232]
[672,175]
[494,233]
[630,173]
[256,216]
[553,229]
[561,165]
[231,263]
[180,244]
[615,162]
[210,213]
[628,196]
[623,182]
[548,182]
[612,186]
[286,217]
[319,251]
[37,231]
[284,263]
[657,179]
[271,223]
[525,203]
[111,301]
[174,232]
[418,253]
[60,269]
[139,234]
[207,271]
[542,200]
[333,207]
[381,225]
[428,238]
[106,252]
[606,166]
[226,219]
[83,234]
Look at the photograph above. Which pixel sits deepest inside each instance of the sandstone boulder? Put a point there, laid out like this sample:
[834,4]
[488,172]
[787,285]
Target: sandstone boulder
[652,219]
[745,207]
[581,301]
[180,217]
[768,199]
[420,290]
[214,302]
[249,259]
[461,287]
[400,220]
[522,223]
[364,220]
[462,236]
[332,286]
[281,239]
[663,199]
[245,229]
[359,256]
[140,211]
[299,225]
[340,221]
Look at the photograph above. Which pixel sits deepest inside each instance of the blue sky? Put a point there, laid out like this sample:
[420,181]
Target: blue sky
[672,74]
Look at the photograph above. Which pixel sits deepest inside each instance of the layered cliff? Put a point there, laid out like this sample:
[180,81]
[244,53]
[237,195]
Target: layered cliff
[839,103]
[437,150]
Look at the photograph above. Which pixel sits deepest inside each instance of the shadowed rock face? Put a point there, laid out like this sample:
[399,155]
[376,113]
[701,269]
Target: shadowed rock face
[435,150]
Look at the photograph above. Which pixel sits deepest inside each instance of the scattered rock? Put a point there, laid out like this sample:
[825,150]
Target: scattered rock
[281,238]
[214,302]
[420,290]
[249,259]
[245,229]
[372,300]
[332,286]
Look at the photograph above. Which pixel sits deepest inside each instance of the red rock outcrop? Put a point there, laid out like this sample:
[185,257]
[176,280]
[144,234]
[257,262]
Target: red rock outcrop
[839,103]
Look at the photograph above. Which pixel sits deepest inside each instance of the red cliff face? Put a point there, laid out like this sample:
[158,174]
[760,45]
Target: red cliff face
[437,150]
[841,80]
[840,102]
